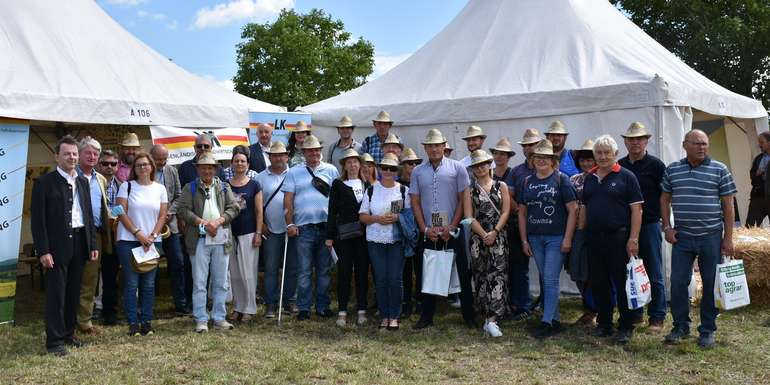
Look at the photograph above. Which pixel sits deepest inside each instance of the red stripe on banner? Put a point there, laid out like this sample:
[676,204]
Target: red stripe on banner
[177,139]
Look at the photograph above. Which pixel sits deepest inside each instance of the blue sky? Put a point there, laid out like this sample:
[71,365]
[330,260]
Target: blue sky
[200,35]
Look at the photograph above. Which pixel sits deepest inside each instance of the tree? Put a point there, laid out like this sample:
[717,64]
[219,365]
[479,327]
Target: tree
[727,41]
[300,59]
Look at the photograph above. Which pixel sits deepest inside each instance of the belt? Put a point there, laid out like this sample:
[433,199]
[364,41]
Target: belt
[319,225]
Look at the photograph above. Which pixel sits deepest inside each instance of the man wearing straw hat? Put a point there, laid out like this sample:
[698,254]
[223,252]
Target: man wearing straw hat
[271,180]
[306,201]
[345,129]
[649,172]
[557,134]
[436,190]
[129,145]
[373,144]
[474,140]
[393,145]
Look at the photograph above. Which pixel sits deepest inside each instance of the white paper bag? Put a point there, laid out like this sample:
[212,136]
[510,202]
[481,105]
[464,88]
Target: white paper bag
[437,266]
[220,239]
[454,280]
[731,290]
[638,290]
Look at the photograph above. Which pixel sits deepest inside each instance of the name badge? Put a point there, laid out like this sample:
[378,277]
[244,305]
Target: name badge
[439,219]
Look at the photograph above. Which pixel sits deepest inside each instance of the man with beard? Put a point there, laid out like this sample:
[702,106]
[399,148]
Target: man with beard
[474,140]
[557,134]
[128,149]
[108,164]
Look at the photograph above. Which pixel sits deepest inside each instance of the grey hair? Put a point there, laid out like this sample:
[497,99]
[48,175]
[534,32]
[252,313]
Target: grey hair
[89,141]
[606,141]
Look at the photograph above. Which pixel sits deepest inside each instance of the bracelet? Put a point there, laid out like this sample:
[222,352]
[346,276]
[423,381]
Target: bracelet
[290,225]
[136,231]
[426,230]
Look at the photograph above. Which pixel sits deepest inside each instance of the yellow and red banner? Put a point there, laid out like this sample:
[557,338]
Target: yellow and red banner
[180,142]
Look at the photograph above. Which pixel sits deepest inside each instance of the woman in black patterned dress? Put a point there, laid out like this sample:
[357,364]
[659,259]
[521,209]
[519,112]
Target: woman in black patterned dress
[487,204]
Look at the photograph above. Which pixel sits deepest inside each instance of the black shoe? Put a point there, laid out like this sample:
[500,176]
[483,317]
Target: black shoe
[325,314]
[624,336]
[706,340]
[74,342]
[556,327]
[543,330]
[520,315]
[109,319]
[422,324]
[97,314]
[303,315]
[134,330]
[603,332]
[58,351]
[183,311]
[146,329]
[676,336]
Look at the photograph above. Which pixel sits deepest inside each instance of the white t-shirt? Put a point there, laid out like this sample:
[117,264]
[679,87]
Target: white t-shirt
[357,186]
[381,202]
[143,207]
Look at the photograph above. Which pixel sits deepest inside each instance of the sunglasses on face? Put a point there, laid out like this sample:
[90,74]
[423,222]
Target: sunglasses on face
[389,168]
[412,163]
[203,146]
[111,164]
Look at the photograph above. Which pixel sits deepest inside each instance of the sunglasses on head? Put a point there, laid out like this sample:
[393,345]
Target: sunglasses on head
[105,164]
[389,168]
[203,146]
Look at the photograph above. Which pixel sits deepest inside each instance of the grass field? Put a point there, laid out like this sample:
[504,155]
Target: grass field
[319,352]
[6,309]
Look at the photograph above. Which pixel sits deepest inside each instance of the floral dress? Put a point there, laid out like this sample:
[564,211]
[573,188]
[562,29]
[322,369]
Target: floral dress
[489,264]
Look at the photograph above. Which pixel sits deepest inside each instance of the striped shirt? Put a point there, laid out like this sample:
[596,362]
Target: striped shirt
[695,195]
[310,206]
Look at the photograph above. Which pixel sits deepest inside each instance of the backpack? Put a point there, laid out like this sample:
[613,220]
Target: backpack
[370,192]
[194,187]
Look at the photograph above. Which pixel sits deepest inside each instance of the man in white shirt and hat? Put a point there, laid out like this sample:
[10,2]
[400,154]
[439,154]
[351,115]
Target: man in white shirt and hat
[345,130]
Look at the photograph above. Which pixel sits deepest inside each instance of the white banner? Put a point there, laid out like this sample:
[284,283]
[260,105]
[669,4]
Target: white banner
[180,142]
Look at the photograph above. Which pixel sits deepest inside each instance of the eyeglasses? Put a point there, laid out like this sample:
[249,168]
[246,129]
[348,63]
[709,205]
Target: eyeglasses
[142,165]
[389,168]
[412,163]
[111,164]
[699,144]
[202,146]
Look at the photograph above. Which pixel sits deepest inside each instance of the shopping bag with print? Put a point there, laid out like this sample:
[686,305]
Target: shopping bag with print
[731,290]
[638,290]
[437,271]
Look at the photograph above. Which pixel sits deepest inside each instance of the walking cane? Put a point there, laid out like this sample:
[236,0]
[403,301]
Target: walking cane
[283,276]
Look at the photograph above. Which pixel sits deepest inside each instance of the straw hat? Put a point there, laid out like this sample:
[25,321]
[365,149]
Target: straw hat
[588,145]
[130,140]
[410,155]
[480,156]
[206,159]
[544,147]
[277,148]
[503,145]
[389,159]
[384,117]
[558,128]
[301,126]
[434,137]
[531,136]
[311,142]
[448,148]
[346,122]
[392,139]
[474,131]
[366,158]
[349,153]
[636,130]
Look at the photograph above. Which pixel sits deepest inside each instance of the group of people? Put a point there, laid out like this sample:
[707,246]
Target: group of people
[377,205]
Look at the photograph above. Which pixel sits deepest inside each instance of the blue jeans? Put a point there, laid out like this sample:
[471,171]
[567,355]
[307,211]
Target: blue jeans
[209,262]
[313,254]
[707,249]
[133,281]
[650,240]
[549,259]
[518,267]
[172,248]
[388,263]
[272,248]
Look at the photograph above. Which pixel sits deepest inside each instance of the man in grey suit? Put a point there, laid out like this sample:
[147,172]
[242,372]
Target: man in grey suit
[172,246]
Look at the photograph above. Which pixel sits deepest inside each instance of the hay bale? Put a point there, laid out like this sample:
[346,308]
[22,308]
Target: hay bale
[752,245]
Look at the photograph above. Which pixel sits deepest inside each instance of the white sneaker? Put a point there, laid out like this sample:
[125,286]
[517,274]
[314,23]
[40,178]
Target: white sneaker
[492,330]
[361,321]
[342,319]
[223,325]
[201,327]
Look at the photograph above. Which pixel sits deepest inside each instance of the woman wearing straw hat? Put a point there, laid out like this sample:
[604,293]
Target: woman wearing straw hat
[345,233]
[412,265]
[380,211]
[547,217]
[578,258]
[488,205]
[297,138]
[368,169]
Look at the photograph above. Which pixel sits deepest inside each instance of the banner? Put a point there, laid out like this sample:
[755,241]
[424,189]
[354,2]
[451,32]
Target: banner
[282,122]
[180,142]
[14,140]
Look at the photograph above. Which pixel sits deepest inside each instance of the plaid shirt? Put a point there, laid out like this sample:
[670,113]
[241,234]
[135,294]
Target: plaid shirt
[229,174]
[373,146]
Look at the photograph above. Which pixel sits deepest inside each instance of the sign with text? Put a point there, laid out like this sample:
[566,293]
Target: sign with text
[282,122]
[14,141]
[180,142]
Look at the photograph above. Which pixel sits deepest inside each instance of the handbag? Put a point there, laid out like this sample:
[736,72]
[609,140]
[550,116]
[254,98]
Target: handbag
[350,230]
[439,273]
[638,290]
[319,184]
[731,290]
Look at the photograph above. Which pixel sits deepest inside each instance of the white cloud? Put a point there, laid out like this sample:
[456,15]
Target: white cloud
[126,2]
[159,17]
[226,83]
[384,62]
[235,10]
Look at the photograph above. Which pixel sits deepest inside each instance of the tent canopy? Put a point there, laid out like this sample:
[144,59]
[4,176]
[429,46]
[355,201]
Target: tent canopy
[68,61]
[501,59]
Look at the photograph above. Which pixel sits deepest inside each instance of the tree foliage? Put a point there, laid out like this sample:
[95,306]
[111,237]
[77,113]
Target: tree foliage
[300,59]
[728,41]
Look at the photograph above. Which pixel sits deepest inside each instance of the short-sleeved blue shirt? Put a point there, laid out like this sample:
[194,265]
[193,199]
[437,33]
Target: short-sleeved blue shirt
[246,221]
[310,206]
[518,174]
[608,201]
[438,188]
[546,201]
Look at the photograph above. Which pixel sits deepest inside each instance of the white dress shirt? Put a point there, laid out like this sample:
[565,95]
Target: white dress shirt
[77,213]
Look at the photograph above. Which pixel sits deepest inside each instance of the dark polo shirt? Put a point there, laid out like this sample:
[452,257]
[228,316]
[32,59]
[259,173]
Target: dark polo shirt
[608,201]
[649,172]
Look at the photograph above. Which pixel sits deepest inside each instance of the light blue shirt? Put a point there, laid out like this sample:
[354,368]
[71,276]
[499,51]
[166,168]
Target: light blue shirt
[310,206]
[438,188]
[96,196]
[274,218]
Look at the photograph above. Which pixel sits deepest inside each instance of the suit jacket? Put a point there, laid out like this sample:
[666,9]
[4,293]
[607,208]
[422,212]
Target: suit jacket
[52,220]
[760,188]
[174,191]
[256,159]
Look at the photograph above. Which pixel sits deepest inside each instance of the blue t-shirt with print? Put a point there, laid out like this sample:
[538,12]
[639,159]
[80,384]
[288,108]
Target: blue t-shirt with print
[546,201]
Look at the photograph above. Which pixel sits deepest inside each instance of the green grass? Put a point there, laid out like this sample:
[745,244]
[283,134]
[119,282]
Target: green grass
[319,352]
[6,310]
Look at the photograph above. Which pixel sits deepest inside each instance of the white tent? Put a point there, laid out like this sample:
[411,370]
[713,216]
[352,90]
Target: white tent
[68,61]
[510,65]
